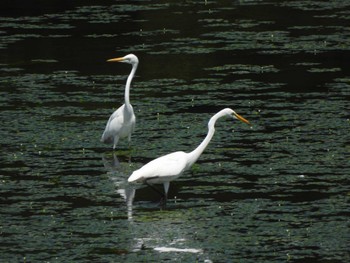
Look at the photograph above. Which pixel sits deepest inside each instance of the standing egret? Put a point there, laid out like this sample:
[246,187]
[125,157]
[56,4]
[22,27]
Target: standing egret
[122,122]
[169,167]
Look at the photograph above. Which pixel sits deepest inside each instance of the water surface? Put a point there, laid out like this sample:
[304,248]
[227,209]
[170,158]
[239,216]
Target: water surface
[276,192]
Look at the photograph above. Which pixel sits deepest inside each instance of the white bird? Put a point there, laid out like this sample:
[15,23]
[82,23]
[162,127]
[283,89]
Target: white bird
[169,167]
[121,124]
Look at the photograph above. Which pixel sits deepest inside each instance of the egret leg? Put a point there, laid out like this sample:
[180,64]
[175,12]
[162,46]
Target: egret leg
[129,141]
[115,142]
[164,195]
[164,199]
[155,189]
[166,188]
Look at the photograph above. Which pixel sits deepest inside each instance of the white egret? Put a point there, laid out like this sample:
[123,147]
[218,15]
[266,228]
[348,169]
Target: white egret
[121,124]
[169,167]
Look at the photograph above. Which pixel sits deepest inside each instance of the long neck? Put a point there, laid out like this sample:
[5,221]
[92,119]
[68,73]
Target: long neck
[127,87]
[194,155]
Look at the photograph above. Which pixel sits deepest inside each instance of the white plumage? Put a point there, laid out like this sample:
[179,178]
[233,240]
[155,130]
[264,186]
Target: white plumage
[121,123]
[169,167]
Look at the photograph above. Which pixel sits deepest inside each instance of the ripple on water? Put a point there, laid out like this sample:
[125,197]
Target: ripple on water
[275,192]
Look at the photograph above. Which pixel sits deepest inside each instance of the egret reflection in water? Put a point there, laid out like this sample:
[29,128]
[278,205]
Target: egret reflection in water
[117,174]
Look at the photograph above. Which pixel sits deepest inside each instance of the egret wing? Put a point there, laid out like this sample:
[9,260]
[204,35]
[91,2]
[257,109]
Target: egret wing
[113,125]
[162,169]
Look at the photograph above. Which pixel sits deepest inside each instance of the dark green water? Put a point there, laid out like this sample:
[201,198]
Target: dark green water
[276,192]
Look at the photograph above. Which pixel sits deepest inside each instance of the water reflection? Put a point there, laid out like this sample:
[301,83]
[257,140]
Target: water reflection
[118,176]
[163,239]
[158,233]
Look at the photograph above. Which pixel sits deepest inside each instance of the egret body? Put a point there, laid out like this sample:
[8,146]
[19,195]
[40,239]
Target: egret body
[121,123]
[169,167]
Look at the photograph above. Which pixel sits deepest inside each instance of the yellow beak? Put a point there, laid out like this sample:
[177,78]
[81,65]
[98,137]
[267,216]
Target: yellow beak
[115,60]
[239,117]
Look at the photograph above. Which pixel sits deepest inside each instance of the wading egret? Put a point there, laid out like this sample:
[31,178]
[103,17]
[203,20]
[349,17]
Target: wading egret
[169,167]
[122,122]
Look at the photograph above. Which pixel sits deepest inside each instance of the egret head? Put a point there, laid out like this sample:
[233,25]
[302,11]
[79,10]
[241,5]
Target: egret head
[239,117]
[225,112]
[232,113]
[130,59]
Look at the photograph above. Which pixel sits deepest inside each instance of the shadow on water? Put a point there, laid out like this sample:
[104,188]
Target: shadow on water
[276,192]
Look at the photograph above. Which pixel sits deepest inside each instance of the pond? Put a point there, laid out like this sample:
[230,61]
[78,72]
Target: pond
[274,192]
